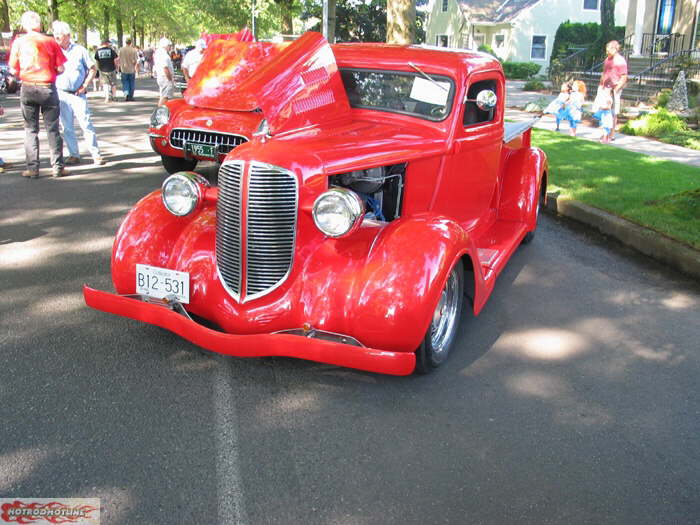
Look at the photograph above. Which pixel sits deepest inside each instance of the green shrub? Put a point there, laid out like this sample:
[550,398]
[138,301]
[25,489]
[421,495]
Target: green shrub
[486,49]
[661,123]
[663,98]
[520,70]
[533,85]
[579,35]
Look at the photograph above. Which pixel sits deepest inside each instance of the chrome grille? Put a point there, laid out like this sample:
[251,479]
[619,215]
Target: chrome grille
[224,142]
[271,227]
[271,217]
[228,226]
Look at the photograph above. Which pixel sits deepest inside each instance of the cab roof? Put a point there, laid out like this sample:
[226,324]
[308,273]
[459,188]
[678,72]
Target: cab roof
[427,58]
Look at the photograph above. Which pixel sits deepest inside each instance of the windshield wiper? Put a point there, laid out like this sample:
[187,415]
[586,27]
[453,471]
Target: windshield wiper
[428,77]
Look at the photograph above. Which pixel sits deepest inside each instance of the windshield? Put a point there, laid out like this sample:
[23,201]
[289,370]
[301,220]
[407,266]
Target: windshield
[399,92]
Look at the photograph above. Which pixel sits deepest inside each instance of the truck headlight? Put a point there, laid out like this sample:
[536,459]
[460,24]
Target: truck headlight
[338,212]
[160,116]
[182,192]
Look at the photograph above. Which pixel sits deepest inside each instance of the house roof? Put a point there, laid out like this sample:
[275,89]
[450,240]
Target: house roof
[494,11]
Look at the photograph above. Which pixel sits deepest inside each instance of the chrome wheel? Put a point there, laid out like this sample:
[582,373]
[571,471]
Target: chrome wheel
[442,330]
[445,315]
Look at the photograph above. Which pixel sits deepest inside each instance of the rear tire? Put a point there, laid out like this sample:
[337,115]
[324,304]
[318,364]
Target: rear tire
[540,204]
[444,325]
[175,164]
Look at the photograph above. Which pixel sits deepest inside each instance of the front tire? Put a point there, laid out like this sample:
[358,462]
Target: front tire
[175,164]
[444,325]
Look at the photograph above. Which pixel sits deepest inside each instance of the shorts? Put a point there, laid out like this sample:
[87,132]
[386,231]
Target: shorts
[108,78]
[166,88]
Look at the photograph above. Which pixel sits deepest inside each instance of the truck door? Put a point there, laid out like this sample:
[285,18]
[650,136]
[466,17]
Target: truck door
[471,175]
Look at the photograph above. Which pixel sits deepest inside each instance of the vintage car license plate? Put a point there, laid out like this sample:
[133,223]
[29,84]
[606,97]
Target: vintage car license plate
[201,150]
[161,282]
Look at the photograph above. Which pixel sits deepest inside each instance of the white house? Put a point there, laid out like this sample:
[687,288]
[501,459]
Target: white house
[517,30]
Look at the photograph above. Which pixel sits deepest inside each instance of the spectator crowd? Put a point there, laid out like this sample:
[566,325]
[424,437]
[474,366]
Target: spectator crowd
[56,74]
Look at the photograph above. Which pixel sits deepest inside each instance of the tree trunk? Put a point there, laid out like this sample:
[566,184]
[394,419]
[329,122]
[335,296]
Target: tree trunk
[400,21]
[120,29]
[4,17]
[104,34]
[53,10]
[607,20]
[133,30]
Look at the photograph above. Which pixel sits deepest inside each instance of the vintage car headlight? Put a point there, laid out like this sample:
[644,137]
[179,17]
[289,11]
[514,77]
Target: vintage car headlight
[182,192]
[160,116]
[338,212]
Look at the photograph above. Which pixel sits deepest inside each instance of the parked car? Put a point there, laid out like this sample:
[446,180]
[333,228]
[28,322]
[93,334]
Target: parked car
[381,187]
[9,83]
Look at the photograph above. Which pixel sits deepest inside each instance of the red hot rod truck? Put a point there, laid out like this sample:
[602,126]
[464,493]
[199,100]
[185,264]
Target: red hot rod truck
[378,186]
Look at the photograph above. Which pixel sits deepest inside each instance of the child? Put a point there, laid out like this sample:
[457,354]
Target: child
[574,106]
[602,107]
[557,107]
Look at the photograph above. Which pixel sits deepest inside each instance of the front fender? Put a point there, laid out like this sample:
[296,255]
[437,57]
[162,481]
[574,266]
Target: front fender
[396,291]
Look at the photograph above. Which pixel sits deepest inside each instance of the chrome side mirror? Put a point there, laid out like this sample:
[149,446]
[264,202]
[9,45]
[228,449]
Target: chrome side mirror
[486,100]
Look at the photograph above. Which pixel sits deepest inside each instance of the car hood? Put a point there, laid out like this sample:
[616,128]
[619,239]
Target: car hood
[295,85]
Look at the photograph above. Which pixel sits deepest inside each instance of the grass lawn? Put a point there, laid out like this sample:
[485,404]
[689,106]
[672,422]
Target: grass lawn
[652,192]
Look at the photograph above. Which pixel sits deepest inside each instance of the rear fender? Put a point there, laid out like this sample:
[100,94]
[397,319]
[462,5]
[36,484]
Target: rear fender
[522,183]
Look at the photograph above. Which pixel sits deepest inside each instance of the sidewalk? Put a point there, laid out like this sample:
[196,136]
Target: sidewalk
[644,240]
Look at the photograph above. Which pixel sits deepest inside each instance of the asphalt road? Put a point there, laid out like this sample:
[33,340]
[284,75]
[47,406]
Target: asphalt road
[573,397]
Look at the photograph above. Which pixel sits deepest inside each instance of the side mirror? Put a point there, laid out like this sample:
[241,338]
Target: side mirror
[486,100]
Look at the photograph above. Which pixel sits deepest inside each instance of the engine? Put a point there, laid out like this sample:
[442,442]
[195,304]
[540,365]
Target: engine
[380,188]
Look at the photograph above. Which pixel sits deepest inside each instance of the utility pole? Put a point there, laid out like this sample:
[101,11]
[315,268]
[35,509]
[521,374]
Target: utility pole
[329,20]
[253,20]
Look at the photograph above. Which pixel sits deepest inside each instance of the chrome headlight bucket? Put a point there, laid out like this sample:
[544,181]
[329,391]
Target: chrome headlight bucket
[183,192]
[160,116]
[338,212]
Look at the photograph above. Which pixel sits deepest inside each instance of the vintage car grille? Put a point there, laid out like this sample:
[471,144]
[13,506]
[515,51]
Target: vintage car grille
[270,217]
[225,142]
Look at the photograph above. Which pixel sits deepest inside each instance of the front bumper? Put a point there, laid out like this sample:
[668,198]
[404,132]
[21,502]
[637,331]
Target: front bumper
[258,345]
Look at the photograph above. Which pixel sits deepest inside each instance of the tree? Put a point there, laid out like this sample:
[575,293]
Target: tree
[401,20]
[4,16]
[607,20]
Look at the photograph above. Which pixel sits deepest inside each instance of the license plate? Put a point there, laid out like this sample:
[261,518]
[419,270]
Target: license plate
[201,150]
[161,282]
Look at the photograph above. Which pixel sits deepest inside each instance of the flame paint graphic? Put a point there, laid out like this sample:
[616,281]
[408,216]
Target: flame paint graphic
[54,505]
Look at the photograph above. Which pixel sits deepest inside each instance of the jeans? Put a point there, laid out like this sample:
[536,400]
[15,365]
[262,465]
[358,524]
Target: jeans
[128,84]
[44,99]
[75,107]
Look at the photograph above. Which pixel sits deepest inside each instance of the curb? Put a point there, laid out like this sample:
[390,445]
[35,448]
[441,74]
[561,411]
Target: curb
[646,241]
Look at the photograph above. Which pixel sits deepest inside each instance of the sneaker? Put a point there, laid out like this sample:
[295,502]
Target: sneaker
[72,161]
[59,172]
[30,174]
[98,161]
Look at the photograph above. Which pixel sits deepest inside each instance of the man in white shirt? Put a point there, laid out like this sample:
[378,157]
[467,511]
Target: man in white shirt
[163,69]
[192,59]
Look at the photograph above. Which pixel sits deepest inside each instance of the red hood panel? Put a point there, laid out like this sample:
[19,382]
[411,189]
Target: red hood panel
[295,85]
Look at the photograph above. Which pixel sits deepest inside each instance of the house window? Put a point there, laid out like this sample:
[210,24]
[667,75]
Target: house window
[499,40]
[478,41]
[539,49]
[590,5]
[444,5]
[441,41]
[472,113]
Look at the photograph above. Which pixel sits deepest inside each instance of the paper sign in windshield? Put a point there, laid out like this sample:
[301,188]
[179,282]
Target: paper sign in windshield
[429,92]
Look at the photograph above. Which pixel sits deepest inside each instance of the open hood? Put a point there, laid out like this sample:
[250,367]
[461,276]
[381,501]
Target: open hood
[295,85]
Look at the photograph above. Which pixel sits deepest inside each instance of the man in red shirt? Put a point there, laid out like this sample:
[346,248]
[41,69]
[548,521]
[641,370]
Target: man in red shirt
[615,76]
[38,59]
